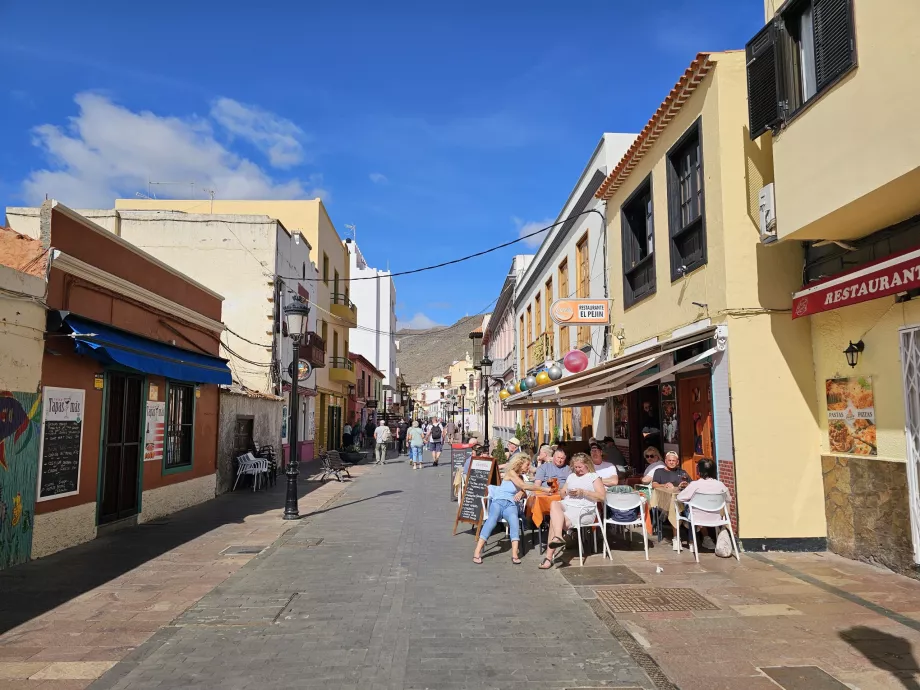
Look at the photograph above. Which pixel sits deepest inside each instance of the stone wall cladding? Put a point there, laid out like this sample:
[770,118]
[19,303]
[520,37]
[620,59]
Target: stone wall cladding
[868,511]
[157,503]
[727,477]
[63,528]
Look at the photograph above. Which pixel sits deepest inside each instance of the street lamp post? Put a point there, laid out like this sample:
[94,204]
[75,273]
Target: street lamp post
[297,315]
[485,365]
[462,411]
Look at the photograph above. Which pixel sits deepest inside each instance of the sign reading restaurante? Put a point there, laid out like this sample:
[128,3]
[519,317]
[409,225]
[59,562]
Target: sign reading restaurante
[580,311]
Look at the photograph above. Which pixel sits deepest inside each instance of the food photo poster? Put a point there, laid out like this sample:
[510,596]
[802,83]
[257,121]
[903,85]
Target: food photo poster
[851,415]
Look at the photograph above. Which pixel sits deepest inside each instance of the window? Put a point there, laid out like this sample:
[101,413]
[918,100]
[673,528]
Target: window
[325,269]
[303,271]
[335,288]
[521,345]
[548,300]
[180,416]
[638,241]
[335,345]
[529,333]
[565,341]
[686,208]
[808,46]
[325,334]
[584,285]
[538,315]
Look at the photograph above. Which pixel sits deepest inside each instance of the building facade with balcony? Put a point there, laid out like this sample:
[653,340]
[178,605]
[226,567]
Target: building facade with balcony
[330,298]
[499,342]
[365,398]
[829,84]
[568,264]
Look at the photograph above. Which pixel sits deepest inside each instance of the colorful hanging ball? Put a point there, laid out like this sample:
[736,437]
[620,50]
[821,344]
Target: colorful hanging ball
[531,382]
[575,361]
[517,388]
[543,378]
[522,384]
[503,394]
[510,389]
[554,372]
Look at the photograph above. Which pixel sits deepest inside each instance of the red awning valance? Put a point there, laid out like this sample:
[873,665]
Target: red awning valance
[889,276]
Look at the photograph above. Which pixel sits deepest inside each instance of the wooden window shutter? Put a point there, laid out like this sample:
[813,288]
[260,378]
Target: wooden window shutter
[650,234]
[835,45]
[764,110]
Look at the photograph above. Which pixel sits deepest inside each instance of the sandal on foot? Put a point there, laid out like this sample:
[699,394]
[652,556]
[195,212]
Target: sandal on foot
[558,552]
[477,560]
[556,543]
[545,560]
[516,561]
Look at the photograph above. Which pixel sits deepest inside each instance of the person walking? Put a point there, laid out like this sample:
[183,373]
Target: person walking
[369,431]
[435,438]
[402,429]
[415,437]
[346,435]
[381,438]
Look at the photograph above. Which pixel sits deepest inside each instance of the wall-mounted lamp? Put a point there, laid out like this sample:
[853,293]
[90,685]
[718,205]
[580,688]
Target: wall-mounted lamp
[852,352]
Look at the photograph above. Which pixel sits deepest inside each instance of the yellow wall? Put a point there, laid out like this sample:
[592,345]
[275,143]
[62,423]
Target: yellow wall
[748,286]
[849,163]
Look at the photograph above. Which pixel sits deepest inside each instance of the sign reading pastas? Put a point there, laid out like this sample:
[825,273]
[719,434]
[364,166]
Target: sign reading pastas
[483,471]
[61,441]
[580,311]
[153,434]
[851,415]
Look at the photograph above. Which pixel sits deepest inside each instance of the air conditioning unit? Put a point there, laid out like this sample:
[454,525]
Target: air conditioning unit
[767,214]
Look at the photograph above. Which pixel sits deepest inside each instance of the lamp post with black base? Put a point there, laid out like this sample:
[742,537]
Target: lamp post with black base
[463,413]
[296,313]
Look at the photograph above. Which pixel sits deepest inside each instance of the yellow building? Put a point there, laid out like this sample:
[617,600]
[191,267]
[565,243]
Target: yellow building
[330,297]
[707,360]
[846,160]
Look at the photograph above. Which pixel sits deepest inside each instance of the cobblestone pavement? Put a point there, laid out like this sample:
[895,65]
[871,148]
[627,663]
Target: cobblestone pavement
[387,599]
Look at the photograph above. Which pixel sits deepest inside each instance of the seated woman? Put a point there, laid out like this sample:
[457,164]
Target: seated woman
[583,489]
[503,504]
[653,459]
[706,484]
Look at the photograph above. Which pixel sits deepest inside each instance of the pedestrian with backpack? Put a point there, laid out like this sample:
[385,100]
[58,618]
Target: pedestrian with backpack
[435,438]
[382,438]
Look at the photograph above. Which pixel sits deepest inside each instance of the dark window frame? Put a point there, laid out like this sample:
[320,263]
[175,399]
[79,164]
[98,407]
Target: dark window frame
[186,448]
[678,230]
[630,270]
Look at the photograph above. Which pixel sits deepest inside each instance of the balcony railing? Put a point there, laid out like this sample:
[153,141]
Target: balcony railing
[541,350]
[341,363]
[342,299]
[501,365]
[313,349]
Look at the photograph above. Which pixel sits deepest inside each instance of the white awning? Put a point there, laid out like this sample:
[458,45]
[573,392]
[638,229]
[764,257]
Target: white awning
[616,377]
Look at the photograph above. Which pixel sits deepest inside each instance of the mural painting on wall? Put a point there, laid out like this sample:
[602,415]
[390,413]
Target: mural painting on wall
[669,412]
[20,429]
[620,418]
[851,415]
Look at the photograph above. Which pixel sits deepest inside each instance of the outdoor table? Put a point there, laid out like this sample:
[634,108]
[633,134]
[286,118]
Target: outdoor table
[539,505]
[666,501]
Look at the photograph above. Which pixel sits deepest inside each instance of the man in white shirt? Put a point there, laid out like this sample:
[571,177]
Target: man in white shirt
[381,439]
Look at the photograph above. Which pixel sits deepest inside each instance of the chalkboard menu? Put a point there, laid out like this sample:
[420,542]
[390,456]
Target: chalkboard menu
[62,438]
[460,457]
[482,472]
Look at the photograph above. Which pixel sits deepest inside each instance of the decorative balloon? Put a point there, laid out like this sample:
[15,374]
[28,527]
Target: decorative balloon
[522,384]
[542,378]
[510,389]
[531,382]
[503,394]
[517,387]
[575,361]
[554,372]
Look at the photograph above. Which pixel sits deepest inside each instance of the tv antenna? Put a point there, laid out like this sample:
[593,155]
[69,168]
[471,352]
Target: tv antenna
[152,195]
[354,231]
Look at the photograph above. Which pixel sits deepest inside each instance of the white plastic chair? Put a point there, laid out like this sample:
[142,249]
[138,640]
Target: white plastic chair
[628,502]
[486,502]
[599,524]
[715,509]
[249,464]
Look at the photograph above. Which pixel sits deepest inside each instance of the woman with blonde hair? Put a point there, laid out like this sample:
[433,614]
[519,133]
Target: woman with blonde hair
[582,491]
[503,504]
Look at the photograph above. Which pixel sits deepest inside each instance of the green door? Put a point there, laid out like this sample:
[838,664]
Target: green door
[20,429]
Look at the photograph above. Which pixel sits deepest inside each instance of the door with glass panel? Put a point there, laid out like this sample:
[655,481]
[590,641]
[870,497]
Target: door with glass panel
[910,367]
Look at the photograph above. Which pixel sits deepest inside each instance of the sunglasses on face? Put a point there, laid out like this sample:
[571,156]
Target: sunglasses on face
[651,457]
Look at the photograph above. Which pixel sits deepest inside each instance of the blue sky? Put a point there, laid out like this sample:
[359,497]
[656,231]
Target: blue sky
[436,130]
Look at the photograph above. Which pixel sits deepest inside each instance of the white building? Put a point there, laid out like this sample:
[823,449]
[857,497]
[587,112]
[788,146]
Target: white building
[258,265]
[374,294]
[571,262]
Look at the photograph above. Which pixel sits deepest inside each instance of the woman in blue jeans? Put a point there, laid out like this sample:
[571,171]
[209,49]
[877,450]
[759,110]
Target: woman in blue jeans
[503,504]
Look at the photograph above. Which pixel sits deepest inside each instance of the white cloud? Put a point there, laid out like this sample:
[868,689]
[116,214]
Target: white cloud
[107,151]
[276,137]
[530,227]
[417,322]
[378,178]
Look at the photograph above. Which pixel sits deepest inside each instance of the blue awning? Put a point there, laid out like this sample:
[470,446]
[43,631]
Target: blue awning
[113,346]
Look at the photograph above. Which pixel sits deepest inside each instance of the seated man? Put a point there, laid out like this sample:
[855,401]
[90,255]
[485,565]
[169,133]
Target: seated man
[597,457]
[557,469]
[671,479]
[706,484]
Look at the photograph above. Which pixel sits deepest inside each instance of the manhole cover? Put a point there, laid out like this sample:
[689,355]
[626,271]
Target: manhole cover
[802,678]
[650,600]
[599,576]
[245,550]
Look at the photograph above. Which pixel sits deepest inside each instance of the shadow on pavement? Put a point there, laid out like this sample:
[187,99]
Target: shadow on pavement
[34,588]
[350,503]
[887,652]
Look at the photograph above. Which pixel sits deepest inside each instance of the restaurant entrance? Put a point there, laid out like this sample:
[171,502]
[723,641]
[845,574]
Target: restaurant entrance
[910,363]
[694,415]
[121,456]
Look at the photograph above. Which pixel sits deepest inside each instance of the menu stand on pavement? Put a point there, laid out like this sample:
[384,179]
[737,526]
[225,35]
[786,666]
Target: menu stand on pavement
[482,472]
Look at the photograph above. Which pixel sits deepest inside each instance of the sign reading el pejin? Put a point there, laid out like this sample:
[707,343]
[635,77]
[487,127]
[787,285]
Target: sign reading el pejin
[581,311]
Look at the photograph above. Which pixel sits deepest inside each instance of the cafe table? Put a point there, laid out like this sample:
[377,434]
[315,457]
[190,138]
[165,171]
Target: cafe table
[539,505]
[666,501]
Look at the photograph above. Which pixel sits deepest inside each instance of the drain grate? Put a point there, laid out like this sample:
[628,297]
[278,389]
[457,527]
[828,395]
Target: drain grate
[242,550]
[651,600]
[802,678]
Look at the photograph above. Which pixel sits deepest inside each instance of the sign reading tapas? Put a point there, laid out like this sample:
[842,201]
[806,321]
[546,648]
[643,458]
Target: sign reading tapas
[581,311]
[886,277]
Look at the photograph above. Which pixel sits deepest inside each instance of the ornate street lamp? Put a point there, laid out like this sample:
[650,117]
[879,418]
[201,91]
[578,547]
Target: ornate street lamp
[462,411]
[485,365]
[296,314]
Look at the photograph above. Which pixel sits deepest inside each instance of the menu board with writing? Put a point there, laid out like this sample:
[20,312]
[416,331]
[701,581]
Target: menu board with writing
[482,472]
[61,441]
[154,431]
[460,457]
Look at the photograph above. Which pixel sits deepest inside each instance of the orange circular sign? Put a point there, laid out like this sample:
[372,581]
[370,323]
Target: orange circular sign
[563,311]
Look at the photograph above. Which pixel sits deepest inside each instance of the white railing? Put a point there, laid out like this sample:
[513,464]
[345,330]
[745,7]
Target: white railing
[502,364]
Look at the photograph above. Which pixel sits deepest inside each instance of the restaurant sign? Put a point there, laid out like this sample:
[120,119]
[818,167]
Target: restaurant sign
[886,277]
[567,312]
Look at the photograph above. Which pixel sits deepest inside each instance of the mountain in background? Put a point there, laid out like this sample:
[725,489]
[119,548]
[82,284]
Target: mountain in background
[424,354]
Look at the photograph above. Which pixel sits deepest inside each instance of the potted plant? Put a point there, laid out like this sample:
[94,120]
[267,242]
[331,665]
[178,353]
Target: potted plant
[352,454]
[499,452]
